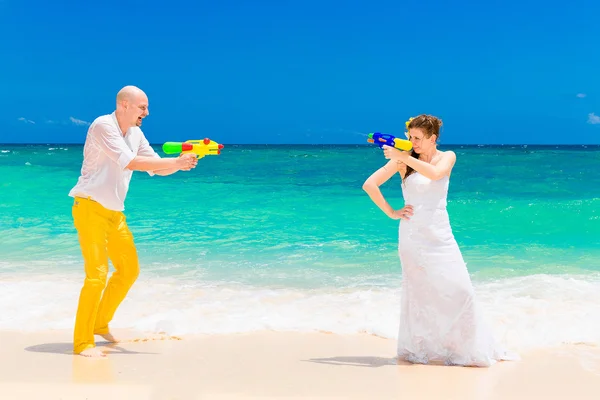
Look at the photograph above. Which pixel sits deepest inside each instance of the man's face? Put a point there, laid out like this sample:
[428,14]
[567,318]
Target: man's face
[137,109]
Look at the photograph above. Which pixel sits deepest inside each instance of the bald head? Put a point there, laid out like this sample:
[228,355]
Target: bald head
[132,105]
[129,93]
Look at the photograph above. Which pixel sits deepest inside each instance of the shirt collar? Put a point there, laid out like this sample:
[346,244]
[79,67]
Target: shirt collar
[114,117]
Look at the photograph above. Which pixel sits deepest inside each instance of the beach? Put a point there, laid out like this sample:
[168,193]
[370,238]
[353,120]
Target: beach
[386,198]
[278,365]
[268,273]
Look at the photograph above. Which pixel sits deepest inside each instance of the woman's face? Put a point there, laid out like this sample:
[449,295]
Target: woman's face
[421,143]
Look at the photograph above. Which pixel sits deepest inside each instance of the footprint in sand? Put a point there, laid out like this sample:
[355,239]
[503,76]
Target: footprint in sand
[158,336]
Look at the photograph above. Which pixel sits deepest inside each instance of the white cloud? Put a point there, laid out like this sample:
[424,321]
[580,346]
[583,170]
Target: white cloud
[27,121]
[72,120]
[593,119]
[78,121]
[581,95]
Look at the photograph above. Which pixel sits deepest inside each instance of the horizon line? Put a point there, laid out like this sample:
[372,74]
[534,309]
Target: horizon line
[319,144]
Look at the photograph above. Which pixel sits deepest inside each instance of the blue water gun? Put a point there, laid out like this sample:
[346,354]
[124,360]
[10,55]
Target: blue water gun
[381,139]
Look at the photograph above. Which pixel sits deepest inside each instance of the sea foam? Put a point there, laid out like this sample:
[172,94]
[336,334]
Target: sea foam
[524,312]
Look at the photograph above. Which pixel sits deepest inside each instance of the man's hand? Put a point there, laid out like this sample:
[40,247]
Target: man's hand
[186,162]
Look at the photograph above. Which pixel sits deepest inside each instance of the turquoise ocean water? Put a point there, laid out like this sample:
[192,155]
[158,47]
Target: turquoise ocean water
[284,238]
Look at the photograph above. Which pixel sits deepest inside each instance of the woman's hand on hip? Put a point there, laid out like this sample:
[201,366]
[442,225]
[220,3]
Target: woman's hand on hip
[404,213]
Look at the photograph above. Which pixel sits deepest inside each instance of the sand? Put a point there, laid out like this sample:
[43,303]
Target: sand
[270,365]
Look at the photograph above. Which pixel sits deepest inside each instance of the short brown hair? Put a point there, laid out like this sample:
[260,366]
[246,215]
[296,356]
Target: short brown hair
[428,123]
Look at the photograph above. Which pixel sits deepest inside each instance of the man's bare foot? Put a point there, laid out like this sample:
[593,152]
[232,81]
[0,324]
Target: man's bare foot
[109,337]
[92,352]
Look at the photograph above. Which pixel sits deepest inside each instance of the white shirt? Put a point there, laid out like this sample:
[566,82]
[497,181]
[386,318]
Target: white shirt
[106,154]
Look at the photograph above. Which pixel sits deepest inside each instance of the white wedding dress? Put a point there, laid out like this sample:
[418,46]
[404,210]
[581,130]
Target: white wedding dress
[439,320]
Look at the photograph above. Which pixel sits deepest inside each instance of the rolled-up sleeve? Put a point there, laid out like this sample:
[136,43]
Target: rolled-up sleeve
[110,141]
[146,150]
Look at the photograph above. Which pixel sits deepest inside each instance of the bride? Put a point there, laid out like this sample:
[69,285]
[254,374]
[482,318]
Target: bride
[440,320]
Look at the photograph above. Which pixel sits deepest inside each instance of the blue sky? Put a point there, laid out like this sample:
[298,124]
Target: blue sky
[304,71]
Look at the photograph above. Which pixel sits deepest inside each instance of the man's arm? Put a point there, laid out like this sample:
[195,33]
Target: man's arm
[152,164]
[165,172]
[145,150]
[110,141]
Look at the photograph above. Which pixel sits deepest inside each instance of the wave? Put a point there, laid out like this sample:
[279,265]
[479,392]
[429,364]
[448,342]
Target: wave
[525,312]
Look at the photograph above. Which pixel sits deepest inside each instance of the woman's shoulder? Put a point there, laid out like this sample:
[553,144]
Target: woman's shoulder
[448,154]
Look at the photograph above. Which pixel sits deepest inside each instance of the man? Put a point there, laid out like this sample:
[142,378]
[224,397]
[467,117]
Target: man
[115,146]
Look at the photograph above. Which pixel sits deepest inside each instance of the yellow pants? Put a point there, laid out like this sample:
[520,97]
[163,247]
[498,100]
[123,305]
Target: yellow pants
[103,234]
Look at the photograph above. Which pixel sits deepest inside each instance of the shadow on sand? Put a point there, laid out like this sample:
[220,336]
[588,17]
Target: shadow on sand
[369,362]
[67,348]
